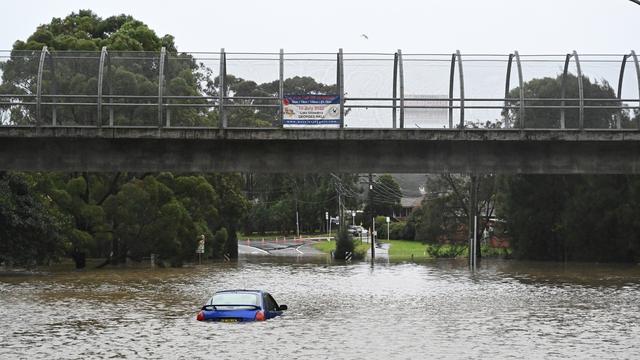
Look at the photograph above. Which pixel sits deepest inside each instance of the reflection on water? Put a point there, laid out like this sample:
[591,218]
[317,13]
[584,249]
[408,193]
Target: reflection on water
[358,311]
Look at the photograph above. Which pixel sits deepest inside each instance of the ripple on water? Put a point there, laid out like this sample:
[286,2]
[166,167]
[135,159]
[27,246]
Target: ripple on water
[435,309]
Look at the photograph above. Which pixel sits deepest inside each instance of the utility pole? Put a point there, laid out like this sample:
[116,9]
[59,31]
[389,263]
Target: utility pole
[372,217]
[297,222]
[473,221]
[340,214]
[297,216]
[326,216]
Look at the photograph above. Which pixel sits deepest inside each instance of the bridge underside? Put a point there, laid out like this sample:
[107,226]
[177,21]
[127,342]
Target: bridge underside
[320,151]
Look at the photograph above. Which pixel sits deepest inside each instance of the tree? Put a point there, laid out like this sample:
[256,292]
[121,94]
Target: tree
[561,217]
[344,244]
[147,218]
[233,207]
[277,197]
[31,228]
[550,88]
[386,196]
[125,215]
[446,217]
[74,43]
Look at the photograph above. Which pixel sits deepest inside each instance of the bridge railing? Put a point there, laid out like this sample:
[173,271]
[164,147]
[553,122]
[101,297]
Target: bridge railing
[376,90]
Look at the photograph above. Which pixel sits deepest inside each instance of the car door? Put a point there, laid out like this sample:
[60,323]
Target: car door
[272,309]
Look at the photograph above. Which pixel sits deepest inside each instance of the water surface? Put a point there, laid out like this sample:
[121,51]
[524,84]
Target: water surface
[435,309]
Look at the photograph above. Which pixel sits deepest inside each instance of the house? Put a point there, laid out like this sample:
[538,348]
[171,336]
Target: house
[408,205]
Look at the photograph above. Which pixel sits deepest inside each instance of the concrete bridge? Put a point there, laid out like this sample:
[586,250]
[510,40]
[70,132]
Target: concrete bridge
[386,112]
[508,151]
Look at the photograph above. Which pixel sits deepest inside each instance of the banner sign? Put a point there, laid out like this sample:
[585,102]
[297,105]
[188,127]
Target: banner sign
[314,111]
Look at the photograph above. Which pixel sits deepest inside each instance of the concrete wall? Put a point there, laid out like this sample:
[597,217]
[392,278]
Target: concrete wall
[311,151]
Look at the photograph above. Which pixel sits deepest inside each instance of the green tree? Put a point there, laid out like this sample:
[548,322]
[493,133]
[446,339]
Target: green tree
[386,196]
[74,43]
[93,223]
[561,217]
[277,197]
[31,227]
[147,218]
[344,244]
[550,88]
[446,216]
[233,208]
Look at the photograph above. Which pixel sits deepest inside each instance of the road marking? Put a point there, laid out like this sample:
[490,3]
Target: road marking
[298,249]
[255,248]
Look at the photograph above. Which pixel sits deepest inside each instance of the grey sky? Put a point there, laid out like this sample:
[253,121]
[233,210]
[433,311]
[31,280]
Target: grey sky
[547,26]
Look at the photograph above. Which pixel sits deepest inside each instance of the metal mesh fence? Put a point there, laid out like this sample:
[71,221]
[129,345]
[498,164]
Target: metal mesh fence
[376,90]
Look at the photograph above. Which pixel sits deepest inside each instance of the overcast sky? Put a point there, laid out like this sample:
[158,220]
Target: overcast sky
[531,26]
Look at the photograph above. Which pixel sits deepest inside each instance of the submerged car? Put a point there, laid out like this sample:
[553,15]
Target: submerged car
[240,306]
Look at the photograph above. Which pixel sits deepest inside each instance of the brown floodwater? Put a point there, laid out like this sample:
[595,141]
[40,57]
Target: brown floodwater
[435,309]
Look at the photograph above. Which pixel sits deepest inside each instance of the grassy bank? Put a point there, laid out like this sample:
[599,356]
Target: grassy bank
[328,246]
[403,249]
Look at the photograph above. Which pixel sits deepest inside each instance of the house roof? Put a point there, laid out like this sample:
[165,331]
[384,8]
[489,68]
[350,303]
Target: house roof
[411,202]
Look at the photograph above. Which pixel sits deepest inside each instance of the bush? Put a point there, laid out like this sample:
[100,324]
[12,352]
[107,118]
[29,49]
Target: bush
[344,244]
[446,251]
[398,230]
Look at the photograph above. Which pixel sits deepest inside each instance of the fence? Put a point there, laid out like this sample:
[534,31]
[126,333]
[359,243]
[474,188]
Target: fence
[376,90]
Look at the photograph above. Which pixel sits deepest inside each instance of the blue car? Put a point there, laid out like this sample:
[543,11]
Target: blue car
[240,306]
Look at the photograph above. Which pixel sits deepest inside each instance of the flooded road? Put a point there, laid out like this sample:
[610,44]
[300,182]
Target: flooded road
[435,309]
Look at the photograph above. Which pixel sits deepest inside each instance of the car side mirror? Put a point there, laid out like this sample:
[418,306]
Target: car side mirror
[282,307]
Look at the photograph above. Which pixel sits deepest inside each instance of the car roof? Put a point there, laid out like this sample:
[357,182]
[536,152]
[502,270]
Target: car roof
[240,290]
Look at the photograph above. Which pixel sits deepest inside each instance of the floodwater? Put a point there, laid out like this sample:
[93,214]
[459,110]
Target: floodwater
[436,309]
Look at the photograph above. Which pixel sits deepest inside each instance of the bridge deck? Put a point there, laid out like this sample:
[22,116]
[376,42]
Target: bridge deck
[350,150]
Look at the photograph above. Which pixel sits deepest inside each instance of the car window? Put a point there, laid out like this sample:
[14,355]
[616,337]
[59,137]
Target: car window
[270,303]
[239,299]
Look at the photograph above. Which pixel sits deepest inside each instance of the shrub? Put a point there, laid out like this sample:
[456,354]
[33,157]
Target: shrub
[446,251]
[344,244]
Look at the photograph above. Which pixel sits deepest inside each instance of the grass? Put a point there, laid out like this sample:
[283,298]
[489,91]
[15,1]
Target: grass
[325,246]
[360,249]
[403,249]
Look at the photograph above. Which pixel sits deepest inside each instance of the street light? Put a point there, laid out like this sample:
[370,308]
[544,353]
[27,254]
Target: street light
[388,221]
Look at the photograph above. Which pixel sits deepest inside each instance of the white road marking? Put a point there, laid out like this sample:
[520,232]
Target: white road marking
[255,248]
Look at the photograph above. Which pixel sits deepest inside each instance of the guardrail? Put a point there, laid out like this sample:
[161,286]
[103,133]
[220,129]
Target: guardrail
[108,88]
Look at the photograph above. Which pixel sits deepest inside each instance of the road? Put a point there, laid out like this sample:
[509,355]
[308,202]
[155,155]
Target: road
[290,247]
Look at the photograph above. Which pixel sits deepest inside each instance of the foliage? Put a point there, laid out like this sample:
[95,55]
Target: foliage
[123,215]
[446,251]
[397,230]
[219,244]
[586,218]
[277,197]
[575,218]
[74,42]
[446,217]
[31,227]
[385,197]
[550,118]
[360,250]
[344,244]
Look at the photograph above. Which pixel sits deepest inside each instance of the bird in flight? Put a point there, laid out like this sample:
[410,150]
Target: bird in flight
[365,36]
